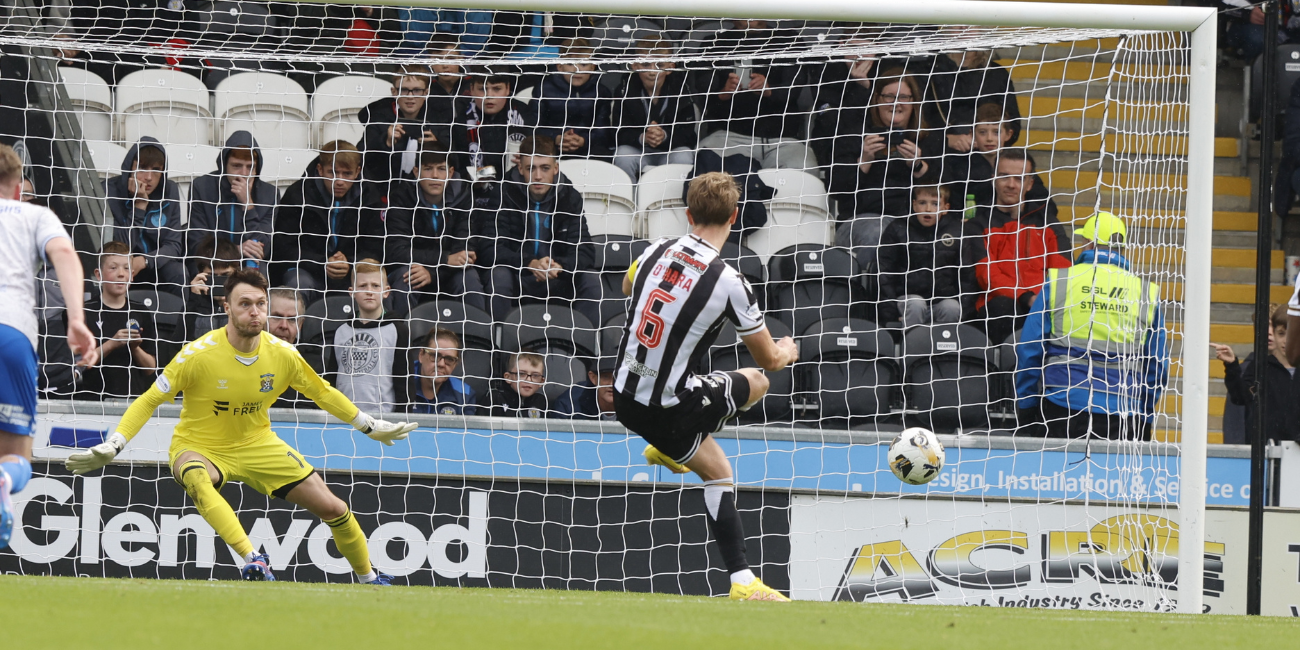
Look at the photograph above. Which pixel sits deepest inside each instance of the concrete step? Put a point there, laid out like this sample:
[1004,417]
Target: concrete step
[1174,256]
[1151,144]
[1129,201]
[1233,275]
[1244,294]
[1223,220]
[1095,69]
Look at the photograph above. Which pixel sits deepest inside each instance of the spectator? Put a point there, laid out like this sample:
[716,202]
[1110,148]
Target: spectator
[1243,31]
[235,203]
[367,358]
[1021,240]
[448,83]
[592,399]
[397,128]
[489,126]
[756,115]
[573,108]
[1283,387]
[880,153]
[519,393]
[434,389]
[284,314]
[128,335]
[325,222]
[539,225]
[205,304]
[970,173]
[147,216]
[428,225]
[1093,358]
[845,87]
[926,271]
[961,82]
[655,117]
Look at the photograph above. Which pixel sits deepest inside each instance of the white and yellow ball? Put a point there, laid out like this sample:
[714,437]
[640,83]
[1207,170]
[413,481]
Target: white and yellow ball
[916,456]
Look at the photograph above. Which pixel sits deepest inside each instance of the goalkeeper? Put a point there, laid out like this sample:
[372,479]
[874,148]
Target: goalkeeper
[229,378]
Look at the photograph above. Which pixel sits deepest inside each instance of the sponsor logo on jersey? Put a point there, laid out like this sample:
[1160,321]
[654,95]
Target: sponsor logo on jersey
[221,384]
[639,368]
[689,261]
[268,382]
[219,407]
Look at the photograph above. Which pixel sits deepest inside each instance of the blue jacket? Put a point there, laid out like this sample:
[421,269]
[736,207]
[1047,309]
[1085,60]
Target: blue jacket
[1036,345]
[455,397]
[579,403]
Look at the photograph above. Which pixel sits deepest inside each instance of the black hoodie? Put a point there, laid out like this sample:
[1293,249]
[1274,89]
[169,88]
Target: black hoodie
[749,112]
[384,162]
[423,233]
[1283,396]
[673,111]
[157,234]
[527,230]
[310,225]
[214,210]
[483,140]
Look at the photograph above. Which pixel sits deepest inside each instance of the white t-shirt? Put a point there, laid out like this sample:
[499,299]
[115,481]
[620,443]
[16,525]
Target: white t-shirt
[25,229]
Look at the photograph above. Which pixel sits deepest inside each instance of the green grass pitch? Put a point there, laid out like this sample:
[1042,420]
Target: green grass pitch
[39,612]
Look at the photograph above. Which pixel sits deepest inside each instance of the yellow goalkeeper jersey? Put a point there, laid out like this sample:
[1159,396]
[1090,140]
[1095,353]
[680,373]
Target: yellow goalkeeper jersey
[226,393]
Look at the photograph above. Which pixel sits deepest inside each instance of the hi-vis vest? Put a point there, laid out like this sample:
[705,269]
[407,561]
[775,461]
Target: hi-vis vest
[1101,313]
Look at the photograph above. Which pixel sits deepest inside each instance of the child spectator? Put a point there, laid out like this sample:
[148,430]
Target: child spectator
[960,83]
[489,127]
[397,128]
[970,173]
[539,225]
[234,203]
[924,276]
[519,394]
[147,216]
[1021,240]
[428,225]
[655,118]
[434,389]
[326,222]
[1283,386]
[367,358]
[205,304]
[127,333]
[448,78]
[573,108]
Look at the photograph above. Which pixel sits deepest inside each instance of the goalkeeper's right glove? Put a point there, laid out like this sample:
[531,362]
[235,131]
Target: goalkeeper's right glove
[97,456]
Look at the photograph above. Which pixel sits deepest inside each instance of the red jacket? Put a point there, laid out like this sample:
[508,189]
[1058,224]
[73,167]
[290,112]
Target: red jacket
[1018,252]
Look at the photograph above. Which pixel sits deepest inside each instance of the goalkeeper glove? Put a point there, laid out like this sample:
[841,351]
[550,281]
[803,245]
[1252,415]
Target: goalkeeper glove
[382,430]
[97,456]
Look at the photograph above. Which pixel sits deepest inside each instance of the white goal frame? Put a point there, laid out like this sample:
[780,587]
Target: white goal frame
[1200,22]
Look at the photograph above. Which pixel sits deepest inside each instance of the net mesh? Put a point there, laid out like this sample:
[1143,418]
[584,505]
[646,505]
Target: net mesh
[838,125]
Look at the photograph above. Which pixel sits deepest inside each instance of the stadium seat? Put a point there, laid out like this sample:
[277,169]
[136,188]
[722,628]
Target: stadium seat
[274,108]
[172,106]
[847,367]
[809,283]
[566,339]
[106,157]
[169,315]
[318,325]
[612,255]
[617,34]
[660,210]
[607,195]
[283,167]
[92,102]
[729,353]
[336,102]
[472,325]
[947,373]
[186,163]
[798,214]
[744,260]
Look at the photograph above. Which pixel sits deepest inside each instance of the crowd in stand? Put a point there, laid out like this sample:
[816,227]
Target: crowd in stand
[455,193]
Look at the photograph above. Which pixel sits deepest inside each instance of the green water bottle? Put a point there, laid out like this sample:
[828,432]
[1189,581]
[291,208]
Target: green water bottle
[969,212]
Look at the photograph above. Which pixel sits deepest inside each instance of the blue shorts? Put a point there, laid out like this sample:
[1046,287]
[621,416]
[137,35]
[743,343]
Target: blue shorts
[17,382]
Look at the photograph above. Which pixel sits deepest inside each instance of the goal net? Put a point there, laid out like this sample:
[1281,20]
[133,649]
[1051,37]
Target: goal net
[450,200]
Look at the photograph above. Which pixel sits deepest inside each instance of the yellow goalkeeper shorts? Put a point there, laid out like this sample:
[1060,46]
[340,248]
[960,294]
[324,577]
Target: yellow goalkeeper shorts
[268,465]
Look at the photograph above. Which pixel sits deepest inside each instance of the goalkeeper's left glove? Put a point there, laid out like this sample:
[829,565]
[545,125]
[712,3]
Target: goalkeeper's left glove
[97,456]
[382,430]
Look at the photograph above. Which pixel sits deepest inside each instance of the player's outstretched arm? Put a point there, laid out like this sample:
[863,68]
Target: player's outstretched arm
[771,355]
[67,265]
[382,430]
[132,421]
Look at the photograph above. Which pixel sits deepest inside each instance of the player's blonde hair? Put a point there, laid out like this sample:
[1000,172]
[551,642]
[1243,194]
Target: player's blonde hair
[11,166]
[712,198]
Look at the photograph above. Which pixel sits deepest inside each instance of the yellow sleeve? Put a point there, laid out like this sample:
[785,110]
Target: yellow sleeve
[164,389]
[631,271]
[315,388]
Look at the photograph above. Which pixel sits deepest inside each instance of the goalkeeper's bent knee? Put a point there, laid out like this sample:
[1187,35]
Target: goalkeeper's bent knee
[351,541]
[193,476]
[19,471]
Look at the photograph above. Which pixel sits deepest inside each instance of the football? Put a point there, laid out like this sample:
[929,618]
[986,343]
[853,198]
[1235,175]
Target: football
[916,456]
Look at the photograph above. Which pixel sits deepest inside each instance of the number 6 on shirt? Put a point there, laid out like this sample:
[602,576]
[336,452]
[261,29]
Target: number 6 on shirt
[651,331]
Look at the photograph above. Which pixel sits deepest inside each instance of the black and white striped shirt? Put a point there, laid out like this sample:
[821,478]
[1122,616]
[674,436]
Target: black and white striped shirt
[682,292]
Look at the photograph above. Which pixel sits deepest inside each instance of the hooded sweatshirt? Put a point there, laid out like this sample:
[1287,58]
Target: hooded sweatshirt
[528,229]
[383,162]
[424,232]
[214,209]
[584,109]
[310,225]
[156,231]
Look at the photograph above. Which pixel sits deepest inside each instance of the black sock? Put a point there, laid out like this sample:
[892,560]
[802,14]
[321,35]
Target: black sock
[724,522]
